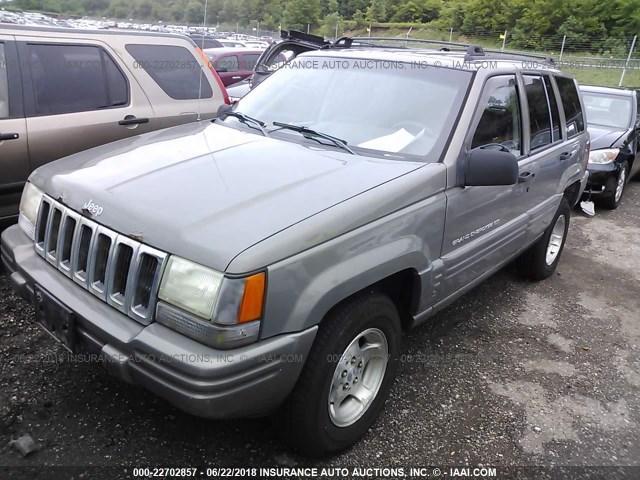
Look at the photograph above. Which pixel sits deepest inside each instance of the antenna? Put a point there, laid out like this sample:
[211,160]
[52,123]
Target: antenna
[204,26]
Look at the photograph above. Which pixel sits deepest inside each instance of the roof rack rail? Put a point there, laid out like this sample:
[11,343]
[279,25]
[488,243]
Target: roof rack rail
[471,51]
[347,42]
[510,55]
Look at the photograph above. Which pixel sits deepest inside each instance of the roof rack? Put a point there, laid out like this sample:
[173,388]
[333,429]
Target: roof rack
[471,51]
[348,42]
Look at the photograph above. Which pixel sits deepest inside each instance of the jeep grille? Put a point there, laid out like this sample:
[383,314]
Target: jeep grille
[118,270]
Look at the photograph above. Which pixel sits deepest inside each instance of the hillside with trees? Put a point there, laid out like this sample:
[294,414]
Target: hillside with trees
[530,22]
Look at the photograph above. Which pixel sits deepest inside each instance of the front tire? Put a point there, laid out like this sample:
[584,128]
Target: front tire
[612,202]
[541,260]
[347,376]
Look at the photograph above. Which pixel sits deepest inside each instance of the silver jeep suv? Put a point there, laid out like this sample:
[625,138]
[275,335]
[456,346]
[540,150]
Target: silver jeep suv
[271,259]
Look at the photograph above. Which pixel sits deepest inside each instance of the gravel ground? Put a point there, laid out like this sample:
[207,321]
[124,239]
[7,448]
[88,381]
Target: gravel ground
[514,373]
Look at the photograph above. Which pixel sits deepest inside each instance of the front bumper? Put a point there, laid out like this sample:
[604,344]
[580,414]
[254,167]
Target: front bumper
[602,179]
[248,381]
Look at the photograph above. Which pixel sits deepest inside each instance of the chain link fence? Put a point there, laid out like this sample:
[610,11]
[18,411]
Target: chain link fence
[606,61]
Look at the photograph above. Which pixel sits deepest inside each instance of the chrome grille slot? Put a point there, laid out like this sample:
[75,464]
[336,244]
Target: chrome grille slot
[117,269]
[149,266]
[51,237]
[65,241]
[41,226]
[81,251]
[100,260]
[121,267]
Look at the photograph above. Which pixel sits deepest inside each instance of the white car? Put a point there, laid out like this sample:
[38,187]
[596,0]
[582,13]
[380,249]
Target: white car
[255,44]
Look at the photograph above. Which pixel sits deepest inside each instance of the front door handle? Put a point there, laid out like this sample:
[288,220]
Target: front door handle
[9,136]
[526,177]
[237,77]
[133,121]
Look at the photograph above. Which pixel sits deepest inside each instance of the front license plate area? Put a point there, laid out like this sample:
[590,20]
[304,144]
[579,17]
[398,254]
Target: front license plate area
[56,319]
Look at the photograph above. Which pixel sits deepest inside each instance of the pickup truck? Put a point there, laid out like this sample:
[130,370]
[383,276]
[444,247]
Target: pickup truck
[268,261]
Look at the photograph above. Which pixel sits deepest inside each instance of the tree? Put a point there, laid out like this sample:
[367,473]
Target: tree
[418,11]
[377,11]
[300,13]
[194,12]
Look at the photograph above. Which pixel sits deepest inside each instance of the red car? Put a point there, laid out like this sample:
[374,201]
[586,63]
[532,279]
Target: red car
[233,64]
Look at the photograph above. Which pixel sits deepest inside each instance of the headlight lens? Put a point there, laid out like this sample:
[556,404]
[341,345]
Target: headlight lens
[29,206]
[601,157]
[203,304]
[190,286]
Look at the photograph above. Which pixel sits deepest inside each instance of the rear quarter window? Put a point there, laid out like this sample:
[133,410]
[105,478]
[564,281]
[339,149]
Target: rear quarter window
[175,70]
[571,105]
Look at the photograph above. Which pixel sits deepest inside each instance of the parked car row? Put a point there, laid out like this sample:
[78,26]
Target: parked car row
[299,233]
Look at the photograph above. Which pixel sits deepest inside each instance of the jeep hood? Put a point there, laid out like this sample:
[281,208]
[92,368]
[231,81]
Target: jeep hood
[208,192]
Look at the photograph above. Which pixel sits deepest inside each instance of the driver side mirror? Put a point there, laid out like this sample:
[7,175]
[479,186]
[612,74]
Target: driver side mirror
[486,167]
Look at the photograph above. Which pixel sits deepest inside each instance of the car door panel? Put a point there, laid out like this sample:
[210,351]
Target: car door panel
[481,230]
[487,224]
[551,155]
[14,152]
[55,133]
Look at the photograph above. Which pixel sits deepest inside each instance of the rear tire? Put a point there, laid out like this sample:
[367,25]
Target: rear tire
[321,415]
[612,202]
[541,260]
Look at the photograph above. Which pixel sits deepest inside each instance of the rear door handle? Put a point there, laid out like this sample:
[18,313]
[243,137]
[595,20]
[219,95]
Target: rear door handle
[526,177]
[9,136]
[133,121]
[236,78]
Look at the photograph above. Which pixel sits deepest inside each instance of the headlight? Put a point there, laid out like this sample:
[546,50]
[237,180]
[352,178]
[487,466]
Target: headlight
[190,286]
[29,206]
[203,304]
[601,157]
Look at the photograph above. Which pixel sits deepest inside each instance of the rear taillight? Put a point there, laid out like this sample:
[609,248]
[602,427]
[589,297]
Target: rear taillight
[225,95]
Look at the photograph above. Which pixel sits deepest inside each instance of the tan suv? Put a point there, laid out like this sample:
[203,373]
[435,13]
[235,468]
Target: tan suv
[66,90]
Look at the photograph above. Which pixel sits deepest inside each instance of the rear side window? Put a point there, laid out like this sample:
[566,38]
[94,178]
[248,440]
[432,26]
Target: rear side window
[539,116]
[500,123]
[174,69]
[571,105]
[226,64]
[75,78]
[249,61]
[4,84]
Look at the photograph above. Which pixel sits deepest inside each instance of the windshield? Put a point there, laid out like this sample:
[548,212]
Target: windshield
[608,110]
[380,108]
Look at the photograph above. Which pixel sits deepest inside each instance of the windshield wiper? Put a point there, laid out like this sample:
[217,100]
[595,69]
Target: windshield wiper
[308,133]
[246,119]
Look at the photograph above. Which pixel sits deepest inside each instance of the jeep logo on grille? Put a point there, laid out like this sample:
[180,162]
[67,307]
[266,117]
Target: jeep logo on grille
[92,208]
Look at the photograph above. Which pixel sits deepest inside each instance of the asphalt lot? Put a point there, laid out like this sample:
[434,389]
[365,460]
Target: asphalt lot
[514,373]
